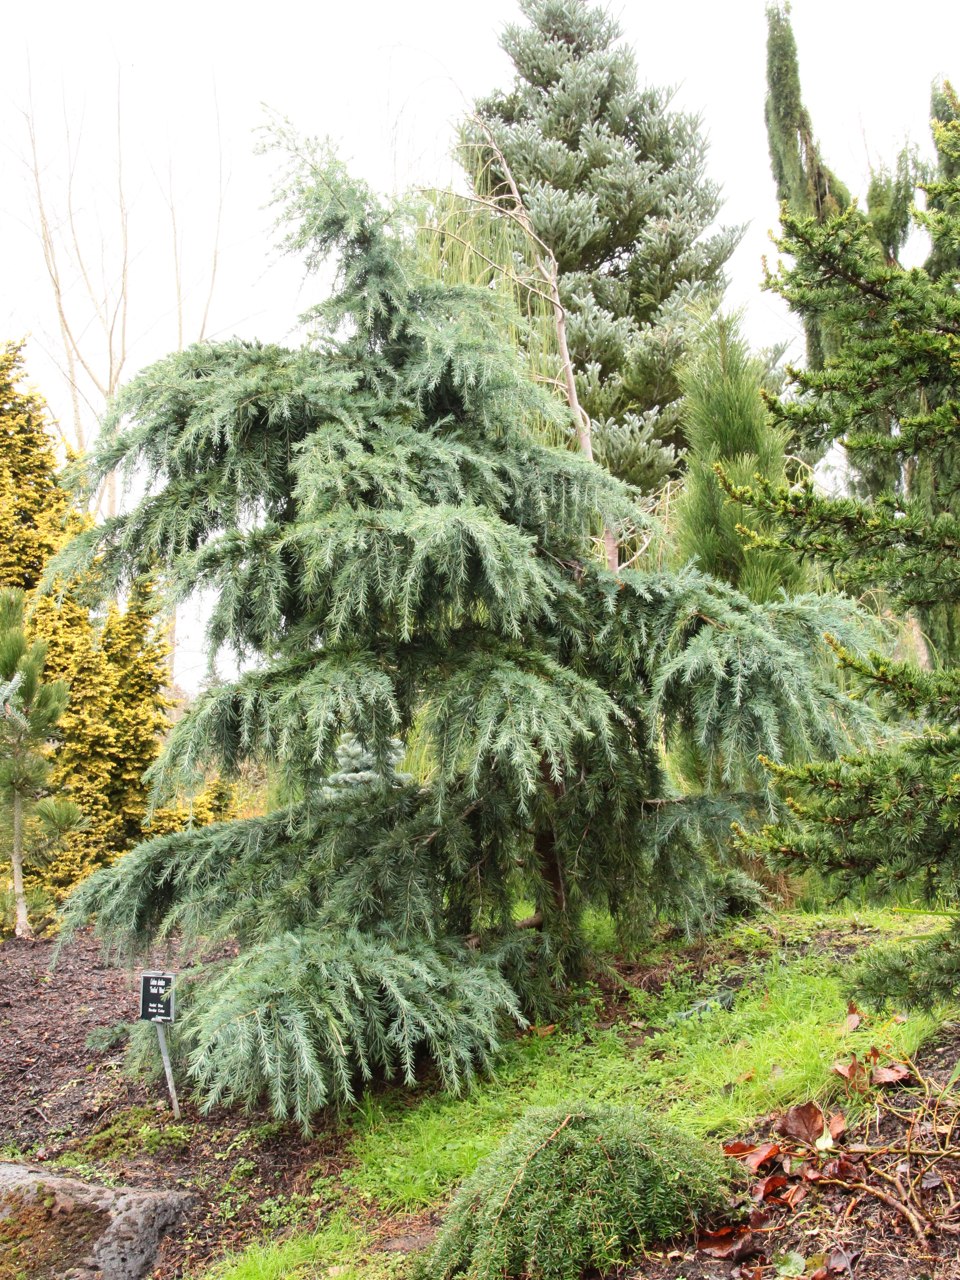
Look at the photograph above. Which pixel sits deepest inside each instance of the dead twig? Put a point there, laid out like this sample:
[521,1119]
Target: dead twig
[891,1201]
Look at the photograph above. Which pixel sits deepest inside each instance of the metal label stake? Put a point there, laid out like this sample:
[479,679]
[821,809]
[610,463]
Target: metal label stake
[168,1069]
[158,1005]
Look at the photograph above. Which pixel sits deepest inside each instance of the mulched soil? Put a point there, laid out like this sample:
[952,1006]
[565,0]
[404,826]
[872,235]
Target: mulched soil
[60,1101]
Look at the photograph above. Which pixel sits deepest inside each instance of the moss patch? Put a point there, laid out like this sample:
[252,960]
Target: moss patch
[43,1235]
[133,1131]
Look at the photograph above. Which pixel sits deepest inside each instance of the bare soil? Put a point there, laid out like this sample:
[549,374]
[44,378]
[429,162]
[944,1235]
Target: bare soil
[62,1103]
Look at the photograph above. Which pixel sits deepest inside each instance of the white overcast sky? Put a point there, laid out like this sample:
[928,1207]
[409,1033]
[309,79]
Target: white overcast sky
[386,82]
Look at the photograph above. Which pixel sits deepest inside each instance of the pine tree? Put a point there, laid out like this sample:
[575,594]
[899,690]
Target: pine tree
[30,708]
[727,423]
[728,426]
[888,817]
[398,554]
[614,184]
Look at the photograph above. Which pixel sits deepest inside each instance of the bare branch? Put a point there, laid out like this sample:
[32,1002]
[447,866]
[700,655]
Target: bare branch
[547,265]
[215,257]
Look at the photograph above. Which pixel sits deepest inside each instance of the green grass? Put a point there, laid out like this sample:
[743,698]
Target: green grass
[339,1244]
[712,1074]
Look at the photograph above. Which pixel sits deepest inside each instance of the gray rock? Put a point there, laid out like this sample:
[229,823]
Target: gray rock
[78,1231]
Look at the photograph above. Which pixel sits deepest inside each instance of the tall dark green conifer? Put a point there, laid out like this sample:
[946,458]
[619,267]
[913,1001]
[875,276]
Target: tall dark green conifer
[804,183]
[936,480]
[395,551]
[942,199]
[808,188]
[614,183]
[889,817]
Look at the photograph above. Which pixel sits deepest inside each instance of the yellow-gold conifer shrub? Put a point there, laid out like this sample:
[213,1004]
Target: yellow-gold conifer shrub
[115,665]
[33,506]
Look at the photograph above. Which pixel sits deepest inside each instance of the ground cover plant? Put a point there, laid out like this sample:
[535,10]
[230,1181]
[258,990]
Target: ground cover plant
[573,1190]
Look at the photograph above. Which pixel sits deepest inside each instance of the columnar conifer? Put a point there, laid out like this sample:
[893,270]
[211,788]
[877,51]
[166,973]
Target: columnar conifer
[892,390]
[804,182]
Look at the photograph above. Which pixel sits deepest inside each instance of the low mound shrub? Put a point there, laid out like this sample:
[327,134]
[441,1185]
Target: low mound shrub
[571,1190]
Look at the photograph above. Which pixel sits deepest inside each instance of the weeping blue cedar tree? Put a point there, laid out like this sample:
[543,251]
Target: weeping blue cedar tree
[394,552]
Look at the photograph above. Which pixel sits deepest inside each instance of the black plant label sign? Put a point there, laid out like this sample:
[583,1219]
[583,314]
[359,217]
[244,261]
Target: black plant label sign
[156,997]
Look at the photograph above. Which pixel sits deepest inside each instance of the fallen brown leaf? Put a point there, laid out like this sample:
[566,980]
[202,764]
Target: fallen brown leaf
[804,1123]
[889,1075]
[842,1169]
[729,1243]
[796,1193]
[841,1260]
[854,1072]
[762,1155]
[738,1148]
[769,1186]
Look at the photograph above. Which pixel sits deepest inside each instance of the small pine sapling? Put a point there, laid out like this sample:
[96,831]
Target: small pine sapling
[30,709]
